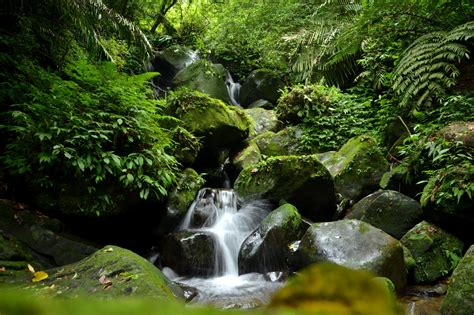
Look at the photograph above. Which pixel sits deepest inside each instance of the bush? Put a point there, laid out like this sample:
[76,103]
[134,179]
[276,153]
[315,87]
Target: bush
[93,135]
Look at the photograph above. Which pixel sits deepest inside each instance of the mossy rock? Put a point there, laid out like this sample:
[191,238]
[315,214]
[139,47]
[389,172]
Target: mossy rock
[353,244]
[283,142]
[260,84]
[265,249]
[204,77]
[108,273]
[389,211]
[261,104]
[460,131]
[460,296]
[220,126]
[300,180]
[247,157]
[436,252]
[186,146]
[180,199]
[328,289]
[170,61]
[262,120]
[357,167]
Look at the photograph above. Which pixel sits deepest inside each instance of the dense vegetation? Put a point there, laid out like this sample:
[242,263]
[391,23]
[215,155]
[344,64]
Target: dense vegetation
[69,115]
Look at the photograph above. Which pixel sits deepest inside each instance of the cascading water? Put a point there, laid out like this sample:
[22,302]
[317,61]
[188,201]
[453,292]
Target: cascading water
[233,89]
[217,212]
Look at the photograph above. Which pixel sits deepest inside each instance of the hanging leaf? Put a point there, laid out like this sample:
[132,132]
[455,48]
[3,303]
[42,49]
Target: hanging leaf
[39,276]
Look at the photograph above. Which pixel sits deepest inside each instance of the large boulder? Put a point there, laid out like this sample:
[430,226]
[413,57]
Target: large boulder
[353,244]
[436,252]
[262,120]
[205,77]
[181,199]
[248,156]
[460,131]
[266,248]
[460,297]
[357,167]
[109,272]
[328,289]
[189,253]
[283,142]
[260,84]
[300,180]
[219,125]
[170,61]
[388,210]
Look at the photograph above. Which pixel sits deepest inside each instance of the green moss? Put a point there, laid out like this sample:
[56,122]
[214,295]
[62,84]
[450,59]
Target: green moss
[436,252]
[331,289]
[284,142]
[247,157]
[183,195]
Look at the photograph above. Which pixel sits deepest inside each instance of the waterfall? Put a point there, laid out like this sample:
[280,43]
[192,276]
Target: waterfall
[233,89]
[228,224]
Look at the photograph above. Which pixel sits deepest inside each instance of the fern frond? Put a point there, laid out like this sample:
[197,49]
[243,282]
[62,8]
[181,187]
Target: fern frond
[428,66]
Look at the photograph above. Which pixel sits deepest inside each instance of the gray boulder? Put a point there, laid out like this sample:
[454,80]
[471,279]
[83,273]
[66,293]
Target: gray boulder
[388,210]
[353,244]
[260,84]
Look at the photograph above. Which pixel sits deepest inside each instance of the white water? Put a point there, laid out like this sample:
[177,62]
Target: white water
[230,225]
[233,89]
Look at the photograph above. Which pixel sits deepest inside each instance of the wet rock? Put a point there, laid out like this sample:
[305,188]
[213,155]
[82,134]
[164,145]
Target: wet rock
[353,244]
[388,210]
[262,120]
[436,252]
[109,272]
[266,248]
[460,297]
[170,61]
[414,305]
[261,104]
[357,167]
[276,276]
[247,157]
[260,84]
[181,199]
[300,180]
[189,253]
[331,289]
[204,77]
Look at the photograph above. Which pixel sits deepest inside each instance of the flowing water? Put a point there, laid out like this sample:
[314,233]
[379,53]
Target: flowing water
[229,223]
[233,89]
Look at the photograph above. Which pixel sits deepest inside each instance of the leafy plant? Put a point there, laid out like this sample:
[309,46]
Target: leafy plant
[94,133]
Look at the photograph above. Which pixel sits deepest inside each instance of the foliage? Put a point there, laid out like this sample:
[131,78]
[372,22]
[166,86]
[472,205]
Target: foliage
[428,67]
[328,116]
[95,128]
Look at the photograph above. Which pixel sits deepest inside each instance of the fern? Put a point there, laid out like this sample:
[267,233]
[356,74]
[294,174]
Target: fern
[428,66]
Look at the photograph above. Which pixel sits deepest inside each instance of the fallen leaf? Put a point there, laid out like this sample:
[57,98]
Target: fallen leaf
[31,269]
[2,269]
[108,250]
[52,286]
[39,276]
[254,170]
[107,286]
[75,276]
[19,206]
[104,280]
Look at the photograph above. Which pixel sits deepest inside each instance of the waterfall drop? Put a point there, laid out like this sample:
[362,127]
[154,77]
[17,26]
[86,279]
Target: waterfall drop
[233,89]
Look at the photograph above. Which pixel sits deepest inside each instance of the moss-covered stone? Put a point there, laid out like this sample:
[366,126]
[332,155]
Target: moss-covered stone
[353,244]
[180,199]
[389,211]
[261,104]
[331,289]
[205,77]
[284,142]
[260,84]
[247,157]
[266,248]
[357,167]
[219,125]
[262,120]
[186,146]
[436,252]
[460,297]
[109,272]
[460,131]
[300,180]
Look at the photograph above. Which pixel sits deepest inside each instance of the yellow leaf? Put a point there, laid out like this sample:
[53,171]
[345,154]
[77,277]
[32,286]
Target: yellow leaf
[31,269]
[110,249]
[39,276]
